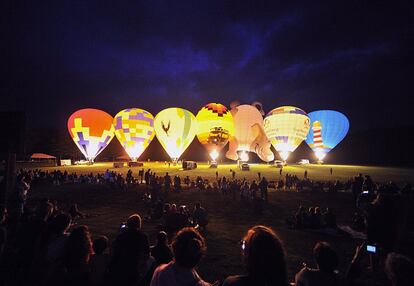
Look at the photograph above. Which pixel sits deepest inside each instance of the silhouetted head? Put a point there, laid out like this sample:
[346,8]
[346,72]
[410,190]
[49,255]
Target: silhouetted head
[264,256]
[134,222]
[189,247]
[325,257]
[399,269]
[100,244]
[162,238]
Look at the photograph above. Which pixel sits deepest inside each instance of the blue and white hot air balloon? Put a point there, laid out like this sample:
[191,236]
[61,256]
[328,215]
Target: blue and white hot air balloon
[328,128]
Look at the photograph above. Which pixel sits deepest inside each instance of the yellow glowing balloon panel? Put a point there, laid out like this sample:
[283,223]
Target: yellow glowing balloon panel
[215,126]
[134,129]
[91,130]
[175,129]
[286,127]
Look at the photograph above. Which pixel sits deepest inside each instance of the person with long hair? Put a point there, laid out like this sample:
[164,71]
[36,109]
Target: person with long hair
[77,255]
[264,259]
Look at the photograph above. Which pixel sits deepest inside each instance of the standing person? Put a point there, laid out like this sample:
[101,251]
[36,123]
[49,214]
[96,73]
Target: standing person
[167,182]
[217,175]
[188,247]
[306,174]
[264,259]
[280,171]
[22,189]
[331,171]
[141,175]
[147,177]
[200,216]
[263,185]
[233,174]
[259,175]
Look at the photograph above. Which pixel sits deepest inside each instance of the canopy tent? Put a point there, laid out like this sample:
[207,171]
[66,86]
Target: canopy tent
[42,156]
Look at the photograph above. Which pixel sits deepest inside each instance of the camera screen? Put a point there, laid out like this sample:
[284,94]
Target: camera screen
[371,248]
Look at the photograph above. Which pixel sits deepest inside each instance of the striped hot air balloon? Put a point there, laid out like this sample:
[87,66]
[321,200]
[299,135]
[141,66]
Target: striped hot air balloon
[286,127]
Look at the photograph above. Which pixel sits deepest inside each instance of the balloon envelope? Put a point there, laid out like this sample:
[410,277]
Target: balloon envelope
[244,119]
[134,129]
[286,127]
[175,129]
[215,126]
[91,130]
[328,128]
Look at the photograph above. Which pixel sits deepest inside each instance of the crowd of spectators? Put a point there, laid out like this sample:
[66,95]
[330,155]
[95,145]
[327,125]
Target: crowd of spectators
[45,247]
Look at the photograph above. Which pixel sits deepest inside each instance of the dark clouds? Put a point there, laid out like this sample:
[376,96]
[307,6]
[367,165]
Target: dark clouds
[352,56]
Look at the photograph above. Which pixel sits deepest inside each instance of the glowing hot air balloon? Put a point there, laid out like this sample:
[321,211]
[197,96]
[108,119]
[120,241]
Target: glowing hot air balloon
[134,129]
[286,127]
[329,127]
[215,126]
[175,129]
[249,135]
[91,130]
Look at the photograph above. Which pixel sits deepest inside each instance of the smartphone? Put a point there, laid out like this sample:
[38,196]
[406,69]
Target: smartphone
[365,192]
[371,248]
[123,226]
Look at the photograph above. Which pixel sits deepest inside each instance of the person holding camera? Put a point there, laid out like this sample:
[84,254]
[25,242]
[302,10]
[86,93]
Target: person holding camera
[130,263]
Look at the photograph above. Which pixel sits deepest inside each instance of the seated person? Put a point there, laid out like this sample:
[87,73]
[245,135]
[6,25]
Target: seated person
[99,261]
[188,248]
[161,251]
[325,273]
[329,218]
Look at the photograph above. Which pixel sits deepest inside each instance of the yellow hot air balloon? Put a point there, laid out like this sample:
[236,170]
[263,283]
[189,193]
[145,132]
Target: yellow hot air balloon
[215,126]
[175,129]
[286,127]
[91,130]
[134,129]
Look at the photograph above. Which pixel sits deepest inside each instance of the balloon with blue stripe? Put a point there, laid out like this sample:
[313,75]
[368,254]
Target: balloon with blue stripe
[328,129]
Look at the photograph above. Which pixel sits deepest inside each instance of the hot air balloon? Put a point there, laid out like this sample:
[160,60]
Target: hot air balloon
[249,135]
[91,130]
[215,126]
[175,129]
[286,127]
[328,128]
[134,129]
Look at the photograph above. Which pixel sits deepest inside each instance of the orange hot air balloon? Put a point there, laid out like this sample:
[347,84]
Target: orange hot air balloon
[91,130]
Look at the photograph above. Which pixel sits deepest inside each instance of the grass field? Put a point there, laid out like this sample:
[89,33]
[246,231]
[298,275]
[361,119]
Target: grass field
[315,172]
[229,221]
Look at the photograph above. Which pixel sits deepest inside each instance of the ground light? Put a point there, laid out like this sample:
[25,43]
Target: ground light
[244,156]
[284,155]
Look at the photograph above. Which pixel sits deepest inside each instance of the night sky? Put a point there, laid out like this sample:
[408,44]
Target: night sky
[351,56]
